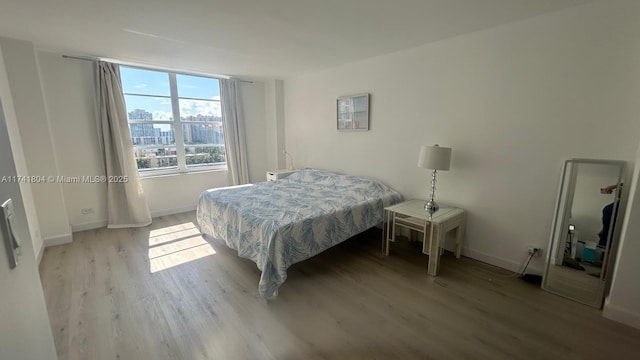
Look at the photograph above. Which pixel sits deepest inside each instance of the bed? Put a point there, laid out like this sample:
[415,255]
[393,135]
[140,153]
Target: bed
[279,223]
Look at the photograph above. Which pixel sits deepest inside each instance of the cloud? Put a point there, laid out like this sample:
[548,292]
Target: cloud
[140,86]
[198,107]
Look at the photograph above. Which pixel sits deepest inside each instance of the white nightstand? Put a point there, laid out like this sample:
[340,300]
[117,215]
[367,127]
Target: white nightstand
[411,215]
[279,174]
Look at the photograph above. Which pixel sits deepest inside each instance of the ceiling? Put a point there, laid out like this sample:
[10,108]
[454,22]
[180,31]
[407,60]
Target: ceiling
[253,38]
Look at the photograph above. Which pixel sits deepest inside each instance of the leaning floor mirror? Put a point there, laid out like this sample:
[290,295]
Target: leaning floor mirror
[585,230]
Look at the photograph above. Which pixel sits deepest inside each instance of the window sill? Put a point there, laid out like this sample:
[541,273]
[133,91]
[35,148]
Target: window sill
[161,173]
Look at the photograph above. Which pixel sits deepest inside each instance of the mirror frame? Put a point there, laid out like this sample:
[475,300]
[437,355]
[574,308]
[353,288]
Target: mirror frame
[559,220]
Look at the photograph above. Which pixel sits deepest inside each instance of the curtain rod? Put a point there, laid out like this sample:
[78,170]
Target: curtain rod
[94,59]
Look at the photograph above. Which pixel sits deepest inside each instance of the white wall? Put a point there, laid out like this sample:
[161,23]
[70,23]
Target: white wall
[68,87]
[25,332]
[33,123]
[253,104]
[274,120]
[176,193]
[623,303]
[513,102]
[69,92]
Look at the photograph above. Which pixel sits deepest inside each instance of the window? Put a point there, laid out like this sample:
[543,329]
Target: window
[175,120]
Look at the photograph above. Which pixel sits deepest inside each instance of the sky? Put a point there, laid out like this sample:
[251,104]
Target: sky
[148,82]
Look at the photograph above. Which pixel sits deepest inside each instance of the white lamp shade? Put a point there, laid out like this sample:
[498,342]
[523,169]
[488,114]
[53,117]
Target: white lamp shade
[435,157]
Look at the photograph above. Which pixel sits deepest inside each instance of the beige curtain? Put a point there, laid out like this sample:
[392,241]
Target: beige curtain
[234,134]
[126,201]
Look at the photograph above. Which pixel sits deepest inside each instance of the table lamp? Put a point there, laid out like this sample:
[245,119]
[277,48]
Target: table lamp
[434,158]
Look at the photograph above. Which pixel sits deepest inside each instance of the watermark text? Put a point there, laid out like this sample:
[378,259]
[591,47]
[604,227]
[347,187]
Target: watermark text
[61,179]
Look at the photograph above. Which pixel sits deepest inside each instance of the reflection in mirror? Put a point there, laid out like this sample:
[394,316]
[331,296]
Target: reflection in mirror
[583,232]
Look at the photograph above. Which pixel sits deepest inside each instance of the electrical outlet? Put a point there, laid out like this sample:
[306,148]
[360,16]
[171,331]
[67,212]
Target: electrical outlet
[86,211]
[535,251]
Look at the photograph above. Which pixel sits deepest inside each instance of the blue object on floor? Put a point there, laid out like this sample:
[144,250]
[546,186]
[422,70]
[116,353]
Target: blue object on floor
[589,254]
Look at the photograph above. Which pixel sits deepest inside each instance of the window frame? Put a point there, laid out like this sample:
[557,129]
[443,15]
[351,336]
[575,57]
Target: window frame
[177,123]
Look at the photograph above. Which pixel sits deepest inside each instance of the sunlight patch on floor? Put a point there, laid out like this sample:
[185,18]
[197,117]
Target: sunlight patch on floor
[176,245]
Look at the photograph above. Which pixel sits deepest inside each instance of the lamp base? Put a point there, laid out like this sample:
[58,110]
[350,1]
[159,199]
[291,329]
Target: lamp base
[431,206]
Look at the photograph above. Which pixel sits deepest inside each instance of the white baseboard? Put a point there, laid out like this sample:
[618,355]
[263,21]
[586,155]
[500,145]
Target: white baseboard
[499,262]
[621,315]
[103,223]
[57,240]
[89,225]
[172,211]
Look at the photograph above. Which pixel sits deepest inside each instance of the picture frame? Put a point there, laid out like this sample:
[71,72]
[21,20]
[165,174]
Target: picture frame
[352,112]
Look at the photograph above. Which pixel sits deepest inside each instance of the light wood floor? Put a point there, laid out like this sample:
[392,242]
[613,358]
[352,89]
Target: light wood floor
[575,283]
[134,294]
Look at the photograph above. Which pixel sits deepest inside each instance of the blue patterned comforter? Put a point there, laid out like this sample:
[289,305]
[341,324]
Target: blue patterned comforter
[279,223]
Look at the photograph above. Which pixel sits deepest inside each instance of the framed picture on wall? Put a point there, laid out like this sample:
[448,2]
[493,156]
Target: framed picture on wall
[353,112]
